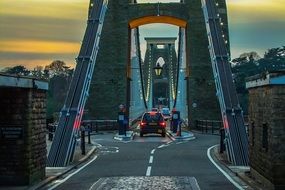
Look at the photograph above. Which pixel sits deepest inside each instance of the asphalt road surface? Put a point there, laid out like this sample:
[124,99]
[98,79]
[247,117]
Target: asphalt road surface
[144,161]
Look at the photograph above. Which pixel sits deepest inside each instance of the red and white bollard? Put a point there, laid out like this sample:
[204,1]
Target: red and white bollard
[178,133]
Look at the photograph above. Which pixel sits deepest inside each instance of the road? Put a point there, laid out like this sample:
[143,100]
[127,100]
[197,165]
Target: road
[151,156]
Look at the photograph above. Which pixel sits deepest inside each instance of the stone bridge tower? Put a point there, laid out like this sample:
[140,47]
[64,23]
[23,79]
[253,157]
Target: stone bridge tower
[109,86]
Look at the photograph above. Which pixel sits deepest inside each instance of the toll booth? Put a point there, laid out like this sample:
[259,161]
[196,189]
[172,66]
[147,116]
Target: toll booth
[22,130]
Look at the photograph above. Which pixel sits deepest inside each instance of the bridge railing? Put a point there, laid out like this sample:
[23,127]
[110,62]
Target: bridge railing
[209,126]
[100,125]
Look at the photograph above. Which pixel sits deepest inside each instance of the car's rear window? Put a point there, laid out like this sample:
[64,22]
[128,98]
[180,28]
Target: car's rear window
[152,117]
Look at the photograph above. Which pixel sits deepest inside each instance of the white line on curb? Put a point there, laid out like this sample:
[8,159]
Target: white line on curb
[221,170]
[150,159]
[148,171]
[72,174]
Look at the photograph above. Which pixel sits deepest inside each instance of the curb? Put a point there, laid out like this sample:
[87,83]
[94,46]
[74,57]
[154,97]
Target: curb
[170,136]
[174,138]
[236,176]
[52,178]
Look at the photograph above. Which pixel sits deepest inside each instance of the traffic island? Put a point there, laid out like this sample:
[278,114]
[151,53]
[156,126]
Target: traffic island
[185,135]
[128,137]
[22,130]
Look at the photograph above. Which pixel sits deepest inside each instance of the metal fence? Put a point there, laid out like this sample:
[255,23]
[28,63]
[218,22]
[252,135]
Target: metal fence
[209,126]
[100,125]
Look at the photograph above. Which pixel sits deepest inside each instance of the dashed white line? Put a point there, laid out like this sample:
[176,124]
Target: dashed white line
[148,171]
[164,145]
[221,170]
[152,152]
[150,159]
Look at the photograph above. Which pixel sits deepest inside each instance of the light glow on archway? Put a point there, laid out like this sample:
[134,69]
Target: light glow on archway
[157,19]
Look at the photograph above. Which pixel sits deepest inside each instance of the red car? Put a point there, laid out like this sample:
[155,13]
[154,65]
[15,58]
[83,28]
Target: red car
[152,122]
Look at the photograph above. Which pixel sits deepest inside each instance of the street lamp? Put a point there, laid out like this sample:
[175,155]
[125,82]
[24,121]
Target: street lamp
[157,69]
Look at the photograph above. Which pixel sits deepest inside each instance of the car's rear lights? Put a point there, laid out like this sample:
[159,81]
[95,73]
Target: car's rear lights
[163,124]
[143,124]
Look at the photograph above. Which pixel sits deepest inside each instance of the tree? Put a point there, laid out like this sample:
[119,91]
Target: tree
[17,70]
[38,72]
[274,60]
[57,67]
[249,64]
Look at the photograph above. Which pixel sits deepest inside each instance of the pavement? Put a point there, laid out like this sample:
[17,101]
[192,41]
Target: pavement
[54,173]
[241,174]
[142,182]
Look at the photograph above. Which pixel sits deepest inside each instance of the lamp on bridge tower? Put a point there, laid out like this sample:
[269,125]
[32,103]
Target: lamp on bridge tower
[157,69]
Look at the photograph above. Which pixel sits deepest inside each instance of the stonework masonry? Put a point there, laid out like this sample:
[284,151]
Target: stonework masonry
[109,83]
[267,131]
[22,135]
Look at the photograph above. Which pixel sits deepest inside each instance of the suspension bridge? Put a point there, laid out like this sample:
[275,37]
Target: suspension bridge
[110,70]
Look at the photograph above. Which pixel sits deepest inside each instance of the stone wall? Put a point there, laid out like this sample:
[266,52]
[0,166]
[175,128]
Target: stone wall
[22,135]
[266,135]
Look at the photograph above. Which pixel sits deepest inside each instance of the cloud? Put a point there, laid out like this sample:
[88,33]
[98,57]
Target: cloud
[32,31]
[256,25]
[254,11]
[76,9]
[45,30]
[32,46]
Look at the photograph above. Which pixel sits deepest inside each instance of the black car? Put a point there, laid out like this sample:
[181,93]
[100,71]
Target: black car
[152,122]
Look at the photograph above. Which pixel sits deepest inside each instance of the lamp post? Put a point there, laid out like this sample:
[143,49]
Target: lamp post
[157,69]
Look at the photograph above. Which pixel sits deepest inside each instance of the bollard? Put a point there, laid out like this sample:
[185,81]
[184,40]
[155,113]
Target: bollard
[83,141]
[89,134]
[179,129]
[222,144]
[50,132]
[96,127]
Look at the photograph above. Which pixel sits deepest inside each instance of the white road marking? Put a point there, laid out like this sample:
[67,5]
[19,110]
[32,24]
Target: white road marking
[152,152]
[164,145]
[94,184]
[148,171]
[72,174]
[221,170]
[150,159]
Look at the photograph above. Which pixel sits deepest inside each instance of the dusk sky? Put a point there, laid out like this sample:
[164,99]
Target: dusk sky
[36,32]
